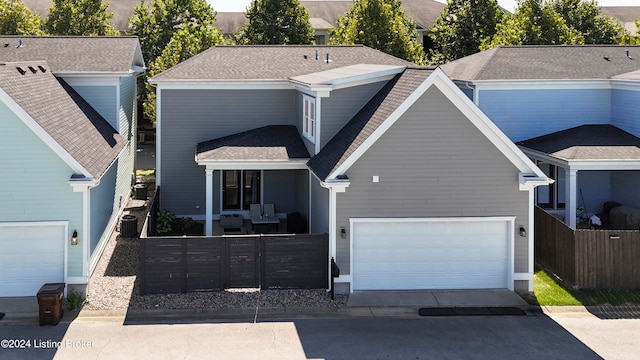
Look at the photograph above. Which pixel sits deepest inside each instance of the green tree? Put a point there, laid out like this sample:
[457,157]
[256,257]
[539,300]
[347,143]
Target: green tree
[631,39]
[155,27]
[382,25]
[586,18]
[17,19]
[276,22]
[185,43]
[80,17]
[533,23]
[461,27]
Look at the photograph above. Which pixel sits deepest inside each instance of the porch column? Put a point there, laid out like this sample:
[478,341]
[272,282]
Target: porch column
[209,203]
[571,195]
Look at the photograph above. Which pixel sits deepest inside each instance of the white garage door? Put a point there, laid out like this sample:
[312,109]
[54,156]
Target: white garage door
[30,255]
[392,254]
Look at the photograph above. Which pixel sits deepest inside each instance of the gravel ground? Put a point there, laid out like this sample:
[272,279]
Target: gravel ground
[113,286]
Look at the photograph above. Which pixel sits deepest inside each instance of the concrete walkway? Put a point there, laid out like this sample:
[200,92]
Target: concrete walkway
[359,304]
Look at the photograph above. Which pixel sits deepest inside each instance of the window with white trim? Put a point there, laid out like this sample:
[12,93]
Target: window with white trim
[309,117]
[552,196]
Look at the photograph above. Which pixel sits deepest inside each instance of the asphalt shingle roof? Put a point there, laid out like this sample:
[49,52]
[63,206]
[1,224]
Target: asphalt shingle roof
[268,143]
[588,142]
[272,62]
[63,114]
[74,54]
[588,62]
[366,121]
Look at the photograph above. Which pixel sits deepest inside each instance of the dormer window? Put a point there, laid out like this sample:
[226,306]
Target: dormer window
[309,117]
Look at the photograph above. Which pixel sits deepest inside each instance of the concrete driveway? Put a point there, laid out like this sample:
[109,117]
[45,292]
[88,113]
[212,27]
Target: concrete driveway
[470,337]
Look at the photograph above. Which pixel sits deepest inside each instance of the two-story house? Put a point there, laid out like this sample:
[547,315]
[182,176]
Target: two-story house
[67,135]
[575,110]
[415,186]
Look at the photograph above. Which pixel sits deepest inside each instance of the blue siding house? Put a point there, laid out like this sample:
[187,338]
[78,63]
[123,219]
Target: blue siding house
[575,110]
[67,120]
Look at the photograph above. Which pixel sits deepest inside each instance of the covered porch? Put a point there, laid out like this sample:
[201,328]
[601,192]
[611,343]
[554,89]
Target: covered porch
[592,165]
[255,178]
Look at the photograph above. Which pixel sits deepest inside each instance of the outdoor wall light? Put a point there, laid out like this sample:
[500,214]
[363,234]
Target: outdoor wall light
[343,233]
[74,238]
[523,232]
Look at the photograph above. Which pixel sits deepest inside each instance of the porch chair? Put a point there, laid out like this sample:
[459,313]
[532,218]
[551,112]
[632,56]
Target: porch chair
[256,212]
[269,211]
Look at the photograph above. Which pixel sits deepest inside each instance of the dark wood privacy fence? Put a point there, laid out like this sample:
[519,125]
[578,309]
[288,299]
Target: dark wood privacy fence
[583,258]
[185,264]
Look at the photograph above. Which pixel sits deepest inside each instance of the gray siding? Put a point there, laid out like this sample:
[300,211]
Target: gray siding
[319,207]
[433,163]
[193,116]
[280,190]
[341,106]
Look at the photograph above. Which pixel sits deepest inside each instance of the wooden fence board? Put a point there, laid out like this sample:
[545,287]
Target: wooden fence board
[169,265]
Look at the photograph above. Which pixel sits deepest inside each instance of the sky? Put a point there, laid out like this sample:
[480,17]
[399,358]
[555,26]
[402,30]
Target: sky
[241,5]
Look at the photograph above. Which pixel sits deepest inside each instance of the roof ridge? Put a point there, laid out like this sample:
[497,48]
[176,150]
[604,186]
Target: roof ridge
[487,61]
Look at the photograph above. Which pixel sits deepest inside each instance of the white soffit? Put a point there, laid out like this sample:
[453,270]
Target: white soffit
[347,74]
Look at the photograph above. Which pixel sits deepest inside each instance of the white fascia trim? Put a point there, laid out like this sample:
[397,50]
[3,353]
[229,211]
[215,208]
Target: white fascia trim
[364,79]
[541,84]
[80,185]
[43,135]
[255,165]
[440,80]
[625,85]
[158,137]
[339,186]
[224,84]
[528,182]
[344,85]
[316,91]
[583,164]
[99,77]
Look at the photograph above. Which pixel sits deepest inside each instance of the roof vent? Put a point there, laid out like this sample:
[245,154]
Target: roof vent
[6,44]
[327,59]
[21,70]
[33,70]
[20,44]
[305,57]
[317,54]
[629,56]
[42,68]
[606,58]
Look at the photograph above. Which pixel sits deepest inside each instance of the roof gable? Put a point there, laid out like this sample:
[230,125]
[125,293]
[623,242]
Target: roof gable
[546,62]
[388,106]
[60,117]
[76,54]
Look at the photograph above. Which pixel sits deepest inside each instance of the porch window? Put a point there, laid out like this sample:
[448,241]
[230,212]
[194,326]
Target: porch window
[552,196]
[240,189]
[309,117]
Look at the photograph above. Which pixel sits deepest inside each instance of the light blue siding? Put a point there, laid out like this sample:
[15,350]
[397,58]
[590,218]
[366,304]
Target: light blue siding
[524,114]
[595,188]
[625,110]
[34,184]
[103,99]
[102,205]
[624,187]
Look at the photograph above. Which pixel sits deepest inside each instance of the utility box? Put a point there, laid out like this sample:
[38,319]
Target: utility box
[140,191]
[50,303]
[129,226]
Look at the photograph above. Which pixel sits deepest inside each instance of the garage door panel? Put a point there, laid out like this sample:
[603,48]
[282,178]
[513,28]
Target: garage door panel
[33,254]
[430,255]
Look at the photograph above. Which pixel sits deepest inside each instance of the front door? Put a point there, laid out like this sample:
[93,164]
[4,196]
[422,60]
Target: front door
[240,188]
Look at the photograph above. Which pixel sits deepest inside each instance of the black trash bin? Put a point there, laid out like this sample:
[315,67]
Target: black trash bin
[129,226]
[50,303]
[140,191]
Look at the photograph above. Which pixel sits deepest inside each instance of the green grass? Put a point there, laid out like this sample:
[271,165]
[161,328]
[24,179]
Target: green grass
[145,172]
[547,292]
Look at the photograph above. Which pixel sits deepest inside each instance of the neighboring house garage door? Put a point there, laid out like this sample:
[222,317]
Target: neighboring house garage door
[31,254]
[451,253]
